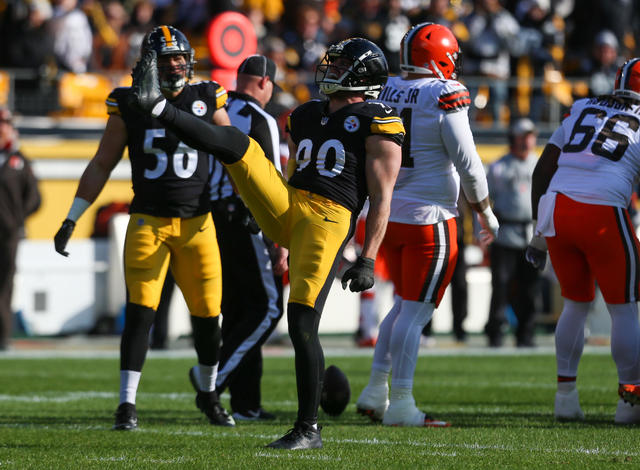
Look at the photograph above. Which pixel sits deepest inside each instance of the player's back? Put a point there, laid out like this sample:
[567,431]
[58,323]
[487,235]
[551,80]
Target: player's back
[427,174]
[600,151]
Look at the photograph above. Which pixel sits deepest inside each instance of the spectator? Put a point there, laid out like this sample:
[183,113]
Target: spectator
[540,50]
[513,280]
[110,46]
[19,197]
[487,54]
[140,23]
[72,36]
[600,67]
[26,36]
[306,42]
[589,17]
[383,23]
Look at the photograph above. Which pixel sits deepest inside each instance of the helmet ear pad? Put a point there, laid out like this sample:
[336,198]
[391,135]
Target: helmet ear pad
[627,82]
[367,73]
[430,48]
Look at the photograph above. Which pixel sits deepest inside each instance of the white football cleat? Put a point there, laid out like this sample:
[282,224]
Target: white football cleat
[567,406]
[405,413]
[626,413]
[373,402]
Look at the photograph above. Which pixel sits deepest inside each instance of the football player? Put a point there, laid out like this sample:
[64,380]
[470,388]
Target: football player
[581,189]
[438,155]
[170,222]
[344,150]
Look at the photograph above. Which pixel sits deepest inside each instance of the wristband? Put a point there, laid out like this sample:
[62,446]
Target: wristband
[78,207]
[158,108]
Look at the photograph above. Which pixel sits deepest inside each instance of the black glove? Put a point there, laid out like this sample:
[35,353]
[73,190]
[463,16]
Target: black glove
[360,274]
[537,258]
[62,237]
[145,87]
[249,222]
[536,253]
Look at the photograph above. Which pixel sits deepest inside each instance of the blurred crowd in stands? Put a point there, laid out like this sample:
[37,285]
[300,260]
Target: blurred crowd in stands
[520,57]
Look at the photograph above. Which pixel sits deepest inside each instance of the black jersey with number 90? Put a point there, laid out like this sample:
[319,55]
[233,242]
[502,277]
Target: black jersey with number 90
[330,157]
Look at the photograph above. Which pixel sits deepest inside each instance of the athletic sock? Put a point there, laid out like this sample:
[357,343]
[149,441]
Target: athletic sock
[129,380]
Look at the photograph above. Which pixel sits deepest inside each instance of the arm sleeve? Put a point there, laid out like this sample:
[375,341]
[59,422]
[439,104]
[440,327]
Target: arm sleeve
[458,140]
[227,143]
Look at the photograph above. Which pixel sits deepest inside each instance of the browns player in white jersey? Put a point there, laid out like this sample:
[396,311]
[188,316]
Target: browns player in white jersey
[582,187]
[438,154]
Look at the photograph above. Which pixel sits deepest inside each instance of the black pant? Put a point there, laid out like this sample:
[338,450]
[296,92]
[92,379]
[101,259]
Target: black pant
[514,282]
[8,252]
[251,308]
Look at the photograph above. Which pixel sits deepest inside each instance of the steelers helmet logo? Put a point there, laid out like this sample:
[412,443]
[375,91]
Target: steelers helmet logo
[351,124]
[199,108]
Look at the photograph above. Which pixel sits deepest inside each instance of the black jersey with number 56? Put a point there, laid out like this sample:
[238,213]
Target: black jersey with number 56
[170,179]
[330,159]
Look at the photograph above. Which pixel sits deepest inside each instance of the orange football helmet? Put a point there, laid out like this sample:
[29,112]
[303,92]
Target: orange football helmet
[628,79]
[430,48]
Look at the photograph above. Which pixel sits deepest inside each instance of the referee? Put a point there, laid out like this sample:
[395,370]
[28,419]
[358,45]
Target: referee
[252,266]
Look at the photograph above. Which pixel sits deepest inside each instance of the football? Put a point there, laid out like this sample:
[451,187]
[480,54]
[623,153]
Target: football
[335,391]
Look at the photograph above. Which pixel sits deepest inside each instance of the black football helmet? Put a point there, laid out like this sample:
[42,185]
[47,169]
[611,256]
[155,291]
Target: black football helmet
[167,40]
[367,72]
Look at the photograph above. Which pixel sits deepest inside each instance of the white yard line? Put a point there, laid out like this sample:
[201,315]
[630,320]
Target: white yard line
[440,449]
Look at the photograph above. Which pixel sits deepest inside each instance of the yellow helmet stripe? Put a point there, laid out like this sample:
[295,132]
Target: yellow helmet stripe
[167,35]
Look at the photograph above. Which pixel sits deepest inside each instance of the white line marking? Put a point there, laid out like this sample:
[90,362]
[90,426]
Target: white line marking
[441,447]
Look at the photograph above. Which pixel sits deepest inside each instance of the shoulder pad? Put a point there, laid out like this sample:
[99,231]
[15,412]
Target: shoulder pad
[213,90]
[116,98]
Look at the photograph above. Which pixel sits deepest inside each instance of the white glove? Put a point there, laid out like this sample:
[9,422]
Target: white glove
[490,225]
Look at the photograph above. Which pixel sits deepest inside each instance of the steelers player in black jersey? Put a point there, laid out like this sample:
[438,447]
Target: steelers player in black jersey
[170,224]
[344,150]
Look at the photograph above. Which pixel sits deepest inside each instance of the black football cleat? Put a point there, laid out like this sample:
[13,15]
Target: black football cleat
[254,415]
[126,417]
[145,86]
[302,436]
[209,404]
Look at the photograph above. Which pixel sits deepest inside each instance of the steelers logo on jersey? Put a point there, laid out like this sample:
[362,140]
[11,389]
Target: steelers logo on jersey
[199,108]
[351,124]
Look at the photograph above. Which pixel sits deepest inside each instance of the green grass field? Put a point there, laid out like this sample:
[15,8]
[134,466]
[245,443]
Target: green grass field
[56,413]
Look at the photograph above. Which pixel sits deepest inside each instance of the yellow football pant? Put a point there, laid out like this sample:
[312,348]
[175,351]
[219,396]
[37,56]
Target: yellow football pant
[312,227]
[189,246]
